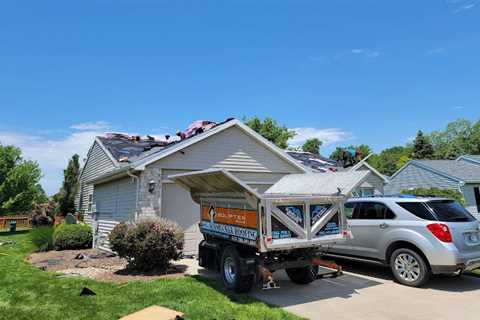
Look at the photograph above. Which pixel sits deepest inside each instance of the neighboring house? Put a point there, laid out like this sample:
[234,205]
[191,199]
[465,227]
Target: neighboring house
[127,180]
[462,174]
[373,186]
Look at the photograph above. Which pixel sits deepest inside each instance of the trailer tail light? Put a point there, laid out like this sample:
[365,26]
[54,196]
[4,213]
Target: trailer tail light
[269,239]
[440,231]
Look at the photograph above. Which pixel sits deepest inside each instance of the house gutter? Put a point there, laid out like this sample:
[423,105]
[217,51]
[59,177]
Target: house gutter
[137,180]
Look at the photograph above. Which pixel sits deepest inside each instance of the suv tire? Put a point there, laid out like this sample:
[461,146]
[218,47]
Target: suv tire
[303,275]
[409,268]
[231,270]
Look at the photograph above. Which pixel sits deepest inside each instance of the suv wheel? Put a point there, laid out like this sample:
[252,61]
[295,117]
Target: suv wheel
[232,275]
[409,268]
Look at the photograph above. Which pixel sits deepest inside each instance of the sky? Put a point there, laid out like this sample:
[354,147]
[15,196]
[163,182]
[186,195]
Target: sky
[347,72]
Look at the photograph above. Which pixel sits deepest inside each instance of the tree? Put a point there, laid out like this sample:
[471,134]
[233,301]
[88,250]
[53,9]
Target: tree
[66,199]
[312,146]
[475,139]
[19,181]
[270,130]
[454,141]
[391,159]
[422,147]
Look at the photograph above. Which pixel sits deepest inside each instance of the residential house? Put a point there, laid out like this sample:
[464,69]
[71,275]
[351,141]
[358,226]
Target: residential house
[127,179]
[462,174]
[373,186]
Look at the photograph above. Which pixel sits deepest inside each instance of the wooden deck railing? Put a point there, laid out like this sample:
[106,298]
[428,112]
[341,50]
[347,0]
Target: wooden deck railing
[22,221]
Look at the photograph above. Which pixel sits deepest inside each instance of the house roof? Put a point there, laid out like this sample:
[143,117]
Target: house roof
[463,171]
[152,151]
[460,171]
[471,158]
[315,161]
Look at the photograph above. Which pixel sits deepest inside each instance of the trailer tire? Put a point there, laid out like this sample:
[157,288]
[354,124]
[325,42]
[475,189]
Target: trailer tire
[231,270]
[303,275]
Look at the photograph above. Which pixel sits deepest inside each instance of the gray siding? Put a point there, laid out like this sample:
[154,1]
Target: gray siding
[372,181]
[97,164]
[231,149]
[413,176]
[115,200]
[469,195]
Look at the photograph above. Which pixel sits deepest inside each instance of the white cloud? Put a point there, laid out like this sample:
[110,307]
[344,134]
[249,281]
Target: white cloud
[458,107]
[438,50]
[327,136]
[366,52]
[51,154]
[97,125]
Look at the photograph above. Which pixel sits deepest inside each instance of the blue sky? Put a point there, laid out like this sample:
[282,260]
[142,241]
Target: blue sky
[354,71]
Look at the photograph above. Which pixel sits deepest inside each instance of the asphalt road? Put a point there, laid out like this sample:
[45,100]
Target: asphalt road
[368,292]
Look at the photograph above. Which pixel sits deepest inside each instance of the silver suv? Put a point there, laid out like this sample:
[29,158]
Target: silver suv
[416,237]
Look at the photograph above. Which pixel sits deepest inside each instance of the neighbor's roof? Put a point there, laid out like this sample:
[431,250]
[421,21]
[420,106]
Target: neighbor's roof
[324,184]
[458,170]
[315,161]
[475,158]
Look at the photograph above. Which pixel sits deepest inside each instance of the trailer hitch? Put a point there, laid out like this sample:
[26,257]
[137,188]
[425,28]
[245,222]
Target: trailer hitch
[336,270]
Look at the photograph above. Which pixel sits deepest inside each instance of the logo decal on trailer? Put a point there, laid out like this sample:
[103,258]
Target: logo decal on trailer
[212,213]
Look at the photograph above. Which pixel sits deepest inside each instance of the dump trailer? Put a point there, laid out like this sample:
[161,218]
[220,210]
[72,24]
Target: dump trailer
[249,235]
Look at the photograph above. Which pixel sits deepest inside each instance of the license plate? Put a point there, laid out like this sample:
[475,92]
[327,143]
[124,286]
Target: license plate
[473,237]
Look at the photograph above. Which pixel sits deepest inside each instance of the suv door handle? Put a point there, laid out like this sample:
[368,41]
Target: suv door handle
[383,225]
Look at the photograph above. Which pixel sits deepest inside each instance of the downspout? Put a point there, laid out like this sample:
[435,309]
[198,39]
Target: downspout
[137,179]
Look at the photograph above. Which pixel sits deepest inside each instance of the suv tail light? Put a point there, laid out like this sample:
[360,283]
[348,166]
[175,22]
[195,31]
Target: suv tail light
[440,231]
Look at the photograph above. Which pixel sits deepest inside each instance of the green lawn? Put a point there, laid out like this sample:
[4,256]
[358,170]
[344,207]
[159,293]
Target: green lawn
[29,293]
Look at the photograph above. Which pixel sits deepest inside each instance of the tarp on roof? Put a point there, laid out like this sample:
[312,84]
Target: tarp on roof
[318,184]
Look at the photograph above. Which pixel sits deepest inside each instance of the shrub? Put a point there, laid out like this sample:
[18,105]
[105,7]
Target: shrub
[436,192]
[42,238]
[148,245]
[72,236]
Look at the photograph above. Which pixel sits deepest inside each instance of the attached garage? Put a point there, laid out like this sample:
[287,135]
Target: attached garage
[141,188]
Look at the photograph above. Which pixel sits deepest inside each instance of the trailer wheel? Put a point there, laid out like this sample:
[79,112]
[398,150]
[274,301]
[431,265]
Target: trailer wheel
[232,276]
[304,275]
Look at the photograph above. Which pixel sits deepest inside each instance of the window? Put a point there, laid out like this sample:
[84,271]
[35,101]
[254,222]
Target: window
[418,209]
[450,211]
[372,211]
[476,191]
[90,202]
[349,207]
[366,192]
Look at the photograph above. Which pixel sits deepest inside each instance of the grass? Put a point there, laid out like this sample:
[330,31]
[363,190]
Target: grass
[477,272]
[27,292]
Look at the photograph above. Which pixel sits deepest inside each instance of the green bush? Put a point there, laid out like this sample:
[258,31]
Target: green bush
[72,236]
[42,238]
[148,245]
[435,192]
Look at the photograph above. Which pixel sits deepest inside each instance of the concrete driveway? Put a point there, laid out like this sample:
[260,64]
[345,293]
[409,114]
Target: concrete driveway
[367,292]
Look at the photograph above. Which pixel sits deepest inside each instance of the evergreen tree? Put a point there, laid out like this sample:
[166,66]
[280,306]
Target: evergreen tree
[312,146]
[422,147]
[69,188]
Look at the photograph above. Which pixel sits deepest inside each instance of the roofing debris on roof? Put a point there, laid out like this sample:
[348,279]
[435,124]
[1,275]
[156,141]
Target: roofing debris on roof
[126,148]
[316,162]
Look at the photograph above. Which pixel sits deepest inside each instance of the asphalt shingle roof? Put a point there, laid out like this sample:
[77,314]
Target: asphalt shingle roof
[459,169]
[315,162]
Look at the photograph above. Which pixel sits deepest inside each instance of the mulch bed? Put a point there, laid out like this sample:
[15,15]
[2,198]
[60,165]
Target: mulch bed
[96,264]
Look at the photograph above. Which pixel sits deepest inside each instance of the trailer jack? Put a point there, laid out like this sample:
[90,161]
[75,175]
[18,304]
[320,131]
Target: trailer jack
[266,278]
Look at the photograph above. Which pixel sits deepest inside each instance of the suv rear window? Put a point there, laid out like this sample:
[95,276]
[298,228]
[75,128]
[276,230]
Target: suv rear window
[418,209]
[450,211]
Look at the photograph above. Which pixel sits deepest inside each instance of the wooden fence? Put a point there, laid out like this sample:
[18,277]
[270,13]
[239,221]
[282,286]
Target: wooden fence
[22,221]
